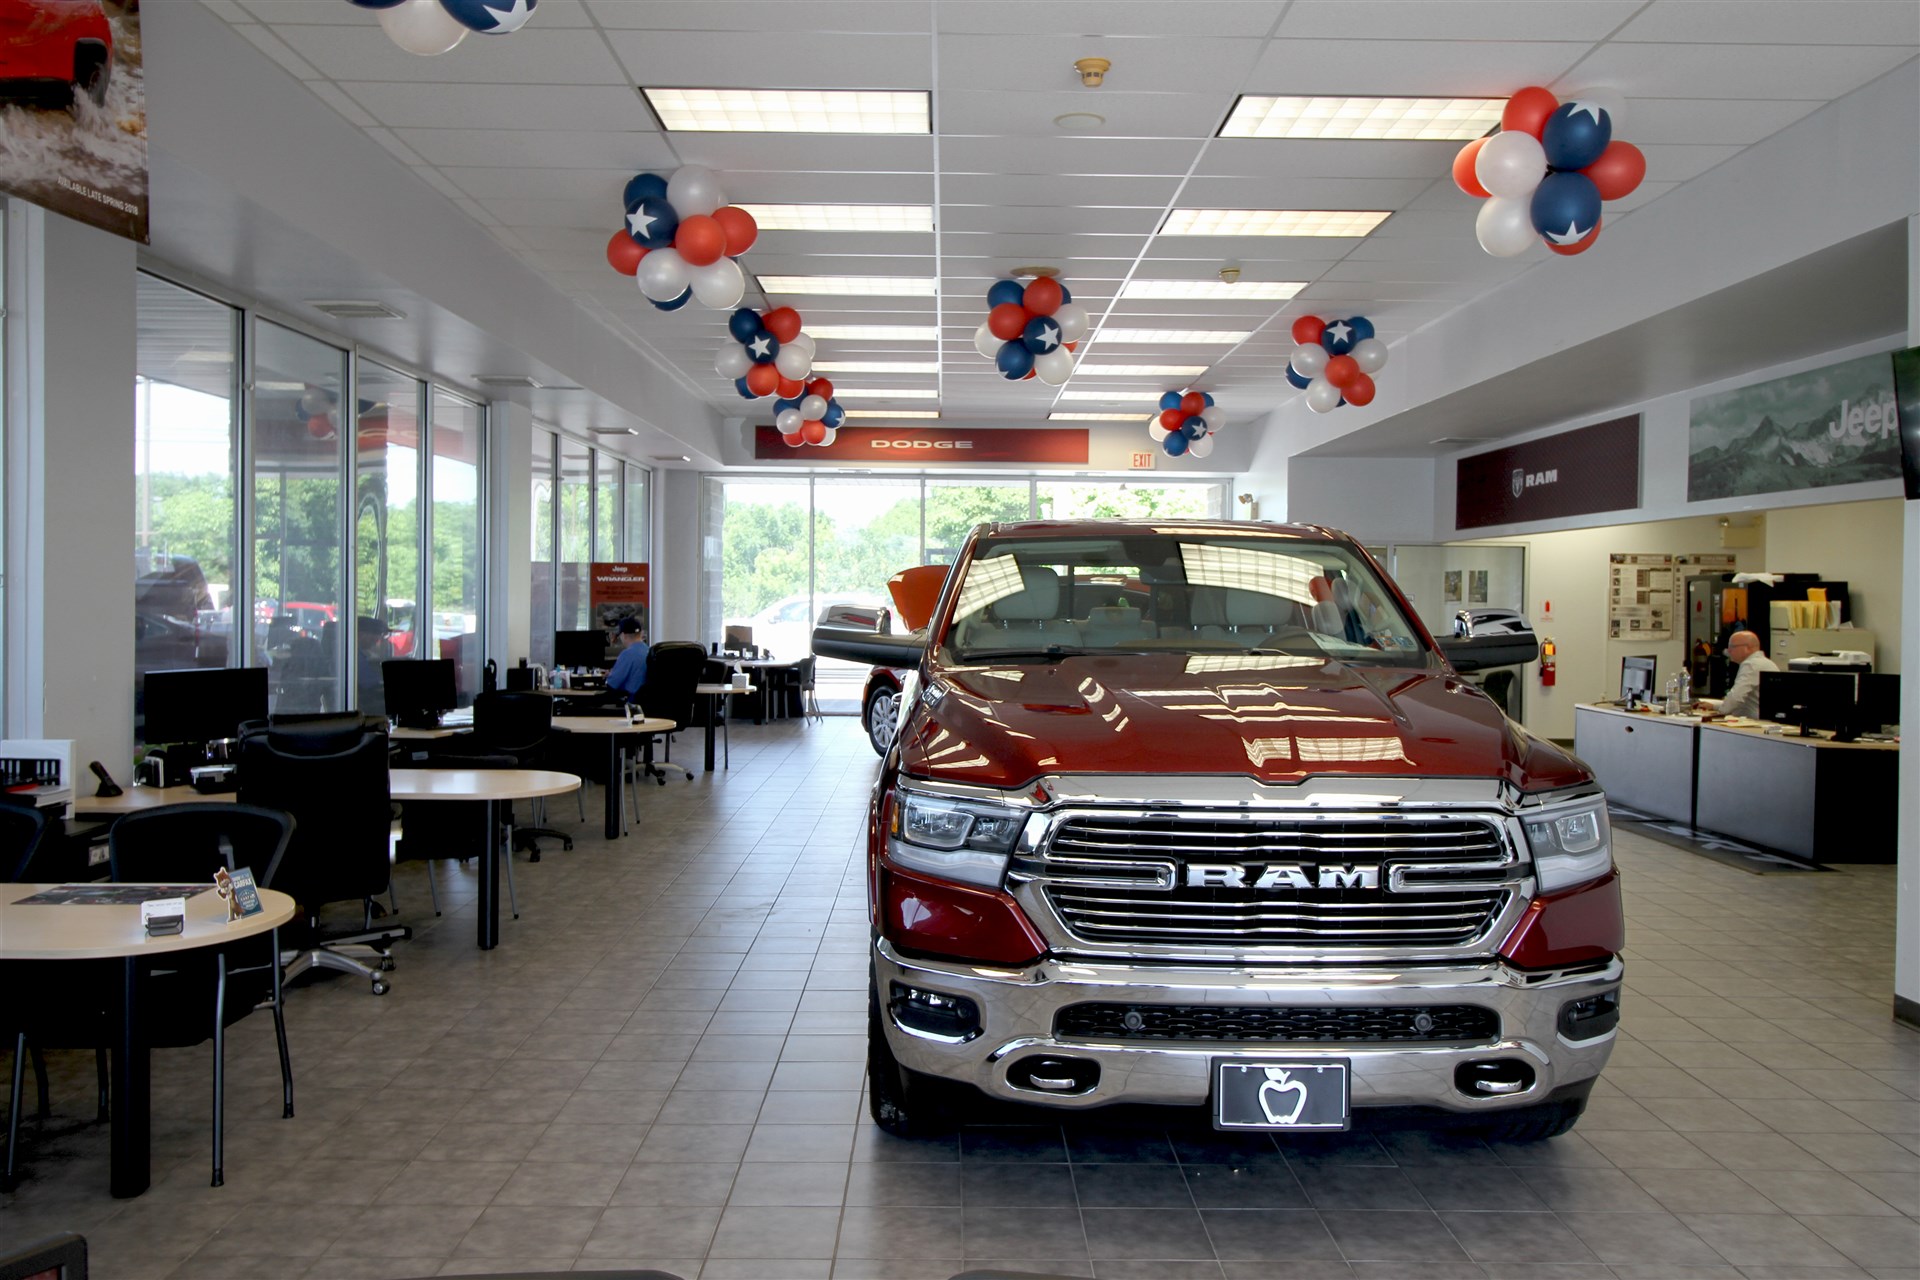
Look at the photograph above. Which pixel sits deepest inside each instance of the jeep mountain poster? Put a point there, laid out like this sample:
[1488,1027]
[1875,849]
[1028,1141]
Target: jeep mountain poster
[1828,426]
[73,110]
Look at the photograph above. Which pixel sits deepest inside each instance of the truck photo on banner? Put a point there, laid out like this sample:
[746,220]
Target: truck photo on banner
[1836,425]
[73,110]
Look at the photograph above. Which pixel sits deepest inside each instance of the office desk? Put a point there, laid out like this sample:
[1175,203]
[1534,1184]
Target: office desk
[1812,797]
[713,693]
[114,933]
[613,729]
[760,665]
[1645,760]
[491,787]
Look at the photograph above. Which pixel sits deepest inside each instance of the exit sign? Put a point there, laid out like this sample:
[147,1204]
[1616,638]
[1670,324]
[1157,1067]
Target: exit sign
[1143,460]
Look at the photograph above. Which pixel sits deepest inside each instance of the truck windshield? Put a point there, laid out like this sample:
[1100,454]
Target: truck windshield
[1176,590]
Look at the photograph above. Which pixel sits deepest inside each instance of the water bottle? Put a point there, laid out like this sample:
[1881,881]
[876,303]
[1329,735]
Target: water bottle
[1686,690]
[1672,706]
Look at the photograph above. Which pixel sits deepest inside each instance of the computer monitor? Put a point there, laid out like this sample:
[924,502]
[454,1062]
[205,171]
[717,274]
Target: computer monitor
[738,638]
[202,704]
[1878,702]
[580,649]
[1810,699]
[419,690]
[1636,678]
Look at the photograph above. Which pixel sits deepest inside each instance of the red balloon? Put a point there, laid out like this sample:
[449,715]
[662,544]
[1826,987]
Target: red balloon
[1043,297]
[1172,419]
[1463,176]
[739,228]
[1359,388]
[763,379]
[820,387]
[321,427]
[1618,170]
[783,323]
[1307,330]
[1581,245]
[1341,370]
[1073,346]
[700,240]
[1030,374]
[791,388]
[793,439]
[1193,404]
[813,431]
[1527,110]
[1008,321]
[624,254]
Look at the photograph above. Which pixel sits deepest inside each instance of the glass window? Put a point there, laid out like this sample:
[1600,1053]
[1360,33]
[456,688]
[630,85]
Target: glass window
[298,450]
[608,525]
[185,438]
[865,530]
[636,515]
[1127,500]
[576,535]
[540,608]
[386,578]
[765,557]
[458,429]
[955,506]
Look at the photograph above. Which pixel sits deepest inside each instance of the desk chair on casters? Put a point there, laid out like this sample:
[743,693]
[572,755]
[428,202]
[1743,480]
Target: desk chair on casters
[514,724]
[673,671]
[330,773]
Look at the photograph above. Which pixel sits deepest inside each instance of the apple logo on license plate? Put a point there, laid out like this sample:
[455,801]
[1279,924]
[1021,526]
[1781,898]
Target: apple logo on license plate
[1281,1095]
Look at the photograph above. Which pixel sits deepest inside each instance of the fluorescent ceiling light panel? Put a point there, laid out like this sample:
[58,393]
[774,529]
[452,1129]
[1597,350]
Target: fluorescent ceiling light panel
[1273,222]
[876,366]
[1426,119]
[841,217]
[1213,290]
[1191,337]
[875,332]
[853,286]
[1115,394]
[1098,417]
[887,393]
[893,413]
[1141,370]
[792,110]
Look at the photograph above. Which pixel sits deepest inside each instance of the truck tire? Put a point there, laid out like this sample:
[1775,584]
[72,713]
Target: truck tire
[92,71]
[1535,1124]
[904,1103]
[883,710]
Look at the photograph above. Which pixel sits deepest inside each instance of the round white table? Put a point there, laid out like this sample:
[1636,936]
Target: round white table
[613,729]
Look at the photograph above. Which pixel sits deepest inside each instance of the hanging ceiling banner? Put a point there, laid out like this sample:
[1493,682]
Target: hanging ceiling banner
[1575,473]
[73,112]
[920,446]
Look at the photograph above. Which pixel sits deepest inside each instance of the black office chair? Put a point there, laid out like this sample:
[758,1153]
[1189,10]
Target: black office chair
[519,725]
[24,844]
[673,672]
[330,773]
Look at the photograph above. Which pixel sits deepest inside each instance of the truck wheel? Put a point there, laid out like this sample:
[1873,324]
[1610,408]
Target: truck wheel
[902,1102]
[883,709]
[92,70]
[1535,1124]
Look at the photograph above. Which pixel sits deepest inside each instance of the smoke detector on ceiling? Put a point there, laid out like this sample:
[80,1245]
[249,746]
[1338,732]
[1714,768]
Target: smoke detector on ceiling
[355,309]
[1093,71]
[1229,275]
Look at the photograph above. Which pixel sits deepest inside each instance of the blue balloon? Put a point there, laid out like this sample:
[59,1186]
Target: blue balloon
[1362,328]
[677,303]
[1575,135]
[763,347]
[1015,361]
[746,392]
[781,402]
[744,324]
[378,4]
[1338,337]
[1206,398]
[1194,427]
[490,17]
[1042,335]
[643,186]
[651,221]
[1169,400]
[1298,379]
[1566,207]
[1066,294]
[1175,444]
[834,415]
[1005,291]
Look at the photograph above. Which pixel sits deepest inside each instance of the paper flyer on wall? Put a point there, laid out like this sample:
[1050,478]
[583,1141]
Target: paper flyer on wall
[1639,596]
[618,589]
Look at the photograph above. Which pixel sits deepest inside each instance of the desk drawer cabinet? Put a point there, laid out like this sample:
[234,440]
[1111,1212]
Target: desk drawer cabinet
[1644,762]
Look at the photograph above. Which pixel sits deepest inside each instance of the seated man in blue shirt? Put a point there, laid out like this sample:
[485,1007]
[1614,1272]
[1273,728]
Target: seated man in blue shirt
[630,668]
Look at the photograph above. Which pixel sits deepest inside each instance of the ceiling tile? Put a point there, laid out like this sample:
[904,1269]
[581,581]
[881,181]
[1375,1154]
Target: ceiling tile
[1065,156]
[1791,22]
[1125,115]
[732,16]
[530,56]
[501,148]
[604,108]
[759,59]
[1489,20]
[1323,158]
[1738,70]
[1231,19]
[1739,121]
[1410,67]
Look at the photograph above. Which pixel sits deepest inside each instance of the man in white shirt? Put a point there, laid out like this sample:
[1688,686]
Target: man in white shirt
[1743,699]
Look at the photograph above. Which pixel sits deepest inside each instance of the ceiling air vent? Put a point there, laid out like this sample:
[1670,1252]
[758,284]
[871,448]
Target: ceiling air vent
[612,431]
[355,309]
[1451,441]
[507,380]
[672,457]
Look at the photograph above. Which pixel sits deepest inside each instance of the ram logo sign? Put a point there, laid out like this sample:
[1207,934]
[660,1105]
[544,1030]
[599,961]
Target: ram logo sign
[1281,875]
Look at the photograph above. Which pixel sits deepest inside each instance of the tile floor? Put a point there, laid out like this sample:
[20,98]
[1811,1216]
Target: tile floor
[661,1066]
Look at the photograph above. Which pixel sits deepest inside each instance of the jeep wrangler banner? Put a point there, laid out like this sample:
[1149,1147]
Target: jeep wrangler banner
[1575,473]
[917,446]
[73,110]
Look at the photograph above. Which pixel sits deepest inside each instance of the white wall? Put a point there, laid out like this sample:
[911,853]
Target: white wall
[1860,543]
[1377,500]
[677,557]
[509,530]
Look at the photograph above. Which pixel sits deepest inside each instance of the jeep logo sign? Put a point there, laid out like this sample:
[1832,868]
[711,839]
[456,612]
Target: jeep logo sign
[1281,875]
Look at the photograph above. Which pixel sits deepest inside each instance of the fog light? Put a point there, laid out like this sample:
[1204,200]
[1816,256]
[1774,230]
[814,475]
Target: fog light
[934,1013]
[1493,1077]
[1054,1075]
[1593,1016]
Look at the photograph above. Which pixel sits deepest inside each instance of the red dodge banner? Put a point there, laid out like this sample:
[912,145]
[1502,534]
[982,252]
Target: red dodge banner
[917,446]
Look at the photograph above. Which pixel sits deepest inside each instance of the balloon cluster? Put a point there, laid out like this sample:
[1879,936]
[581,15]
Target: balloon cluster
[1180,429]
[770,356]
[681,240]
[1545,173]
[1031,330]
[1335,361]
[316,408]
[427,27]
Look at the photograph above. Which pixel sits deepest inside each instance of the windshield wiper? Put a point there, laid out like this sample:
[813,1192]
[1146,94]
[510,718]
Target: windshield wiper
[1051,653]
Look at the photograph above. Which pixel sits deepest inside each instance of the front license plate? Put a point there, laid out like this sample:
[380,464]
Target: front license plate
[1281,1095]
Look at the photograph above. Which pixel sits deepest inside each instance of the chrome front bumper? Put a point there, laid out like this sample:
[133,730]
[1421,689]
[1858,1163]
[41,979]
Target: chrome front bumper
[1017,1009]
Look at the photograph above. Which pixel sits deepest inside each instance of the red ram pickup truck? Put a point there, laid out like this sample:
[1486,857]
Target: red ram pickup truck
[1199,814]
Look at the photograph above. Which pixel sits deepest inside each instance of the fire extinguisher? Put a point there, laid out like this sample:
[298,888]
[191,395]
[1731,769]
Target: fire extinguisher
[1546,663]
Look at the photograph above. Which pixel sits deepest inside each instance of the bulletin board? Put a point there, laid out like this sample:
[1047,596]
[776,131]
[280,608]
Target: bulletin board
[1640,591]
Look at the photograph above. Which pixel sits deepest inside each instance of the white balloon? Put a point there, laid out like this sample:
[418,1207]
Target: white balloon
[813,408]
[792,362]
[1504,225]
[1309,359]
[1158,432]
[693,189]
[984,342]
[1370,354]
[422,26]
[663,275]
[733,361]
[802,342]
[1323,396]
[833,433]
[719,285]
[1511,164]
[1202,447]
[1054,367]
[1072,319]
[788,421]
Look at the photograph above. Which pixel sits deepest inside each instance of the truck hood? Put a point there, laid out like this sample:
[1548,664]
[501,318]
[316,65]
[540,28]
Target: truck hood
[1277,719]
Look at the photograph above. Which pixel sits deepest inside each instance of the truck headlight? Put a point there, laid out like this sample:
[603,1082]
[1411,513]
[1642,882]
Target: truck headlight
[965,840]
[1571,844]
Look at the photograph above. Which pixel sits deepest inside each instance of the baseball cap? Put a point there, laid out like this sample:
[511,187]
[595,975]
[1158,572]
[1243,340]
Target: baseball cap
[629,626]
